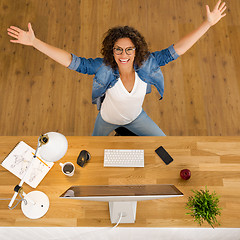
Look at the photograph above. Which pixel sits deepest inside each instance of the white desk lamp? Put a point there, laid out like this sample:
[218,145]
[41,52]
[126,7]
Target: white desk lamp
[51,147]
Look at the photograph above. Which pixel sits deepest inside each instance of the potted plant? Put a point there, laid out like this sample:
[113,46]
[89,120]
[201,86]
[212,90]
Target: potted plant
[203,206]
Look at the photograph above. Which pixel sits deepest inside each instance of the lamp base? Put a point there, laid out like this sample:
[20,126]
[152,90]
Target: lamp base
[37,209]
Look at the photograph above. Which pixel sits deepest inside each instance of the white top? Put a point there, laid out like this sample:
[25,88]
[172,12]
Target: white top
[122,107]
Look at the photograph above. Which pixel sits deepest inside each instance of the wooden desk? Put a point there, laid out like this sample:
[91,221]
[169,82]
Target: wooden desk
[214,161]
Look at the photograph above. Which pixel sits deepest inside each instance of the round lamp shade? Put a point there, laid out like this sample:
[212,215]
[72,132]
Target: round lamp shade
[55,147]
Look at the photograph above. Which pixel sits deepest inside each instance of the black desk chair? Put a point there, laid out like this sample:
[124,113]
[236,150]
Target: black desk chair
[122,131]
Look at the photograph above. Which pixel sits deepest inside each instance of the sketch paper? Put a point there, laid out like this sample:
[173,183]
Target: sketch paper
[18,161]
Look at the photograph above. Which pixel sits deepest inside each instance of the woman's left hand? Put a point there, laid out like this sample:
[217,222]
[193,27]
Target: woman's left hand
[217,13]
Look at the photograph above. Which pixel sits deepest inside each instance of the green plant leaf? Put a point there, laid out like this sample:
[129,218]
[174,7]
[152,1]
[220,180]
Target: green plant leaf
[203,206]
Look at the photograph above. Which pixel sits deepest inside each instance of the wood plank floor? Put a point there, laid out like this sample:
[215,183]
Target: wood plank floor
[38,95]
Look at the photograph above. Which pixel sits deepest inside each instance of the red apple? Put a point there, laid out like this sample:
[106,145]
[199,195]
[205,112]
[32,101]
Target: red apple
[185,174]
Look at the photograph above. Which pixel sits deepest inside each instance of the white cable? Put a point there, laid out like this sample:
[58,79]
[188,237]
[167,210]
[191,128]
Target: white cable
[120,218]
[23,199]
[11,208]
[18,201]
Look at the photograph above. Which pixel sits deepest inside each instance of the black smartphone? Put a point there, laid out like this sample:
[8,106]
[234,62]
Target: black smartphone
[164,155]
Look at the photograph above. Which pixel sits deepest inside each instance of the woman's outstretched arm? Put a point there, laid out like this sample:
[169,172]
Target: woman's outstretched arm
[28,38]
[212,18]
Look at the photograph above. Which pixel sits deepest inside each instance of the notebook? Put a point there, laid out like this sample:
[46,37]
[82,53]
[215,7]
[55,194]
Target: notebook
[18,161]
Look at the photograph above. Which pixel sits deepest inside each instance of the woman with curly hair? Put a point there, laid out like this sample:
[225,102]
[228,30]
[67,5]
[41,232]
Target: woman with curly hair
[125,74]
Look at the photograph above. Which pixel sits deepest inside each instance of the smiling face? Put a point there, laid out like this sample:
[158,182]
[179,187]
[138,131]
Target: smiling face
[124,60]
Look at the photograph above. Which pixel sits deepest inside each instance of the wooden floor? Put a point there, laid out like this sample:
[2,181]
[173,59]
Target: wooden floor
[37,95]
[213,161]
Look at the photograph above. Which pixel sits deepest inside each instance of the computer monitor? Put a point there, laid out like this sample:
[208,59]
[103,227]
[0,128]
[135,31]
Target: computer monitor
[122,199]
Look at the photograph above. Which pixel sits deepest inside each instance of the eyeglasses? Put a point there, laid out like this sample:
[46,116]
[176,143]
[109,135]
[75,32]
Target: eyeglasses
[128,51]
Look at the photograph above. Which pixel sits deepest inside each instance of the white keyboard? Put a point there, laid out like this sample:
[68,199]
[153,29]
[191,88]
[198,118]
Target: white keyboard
[123,158]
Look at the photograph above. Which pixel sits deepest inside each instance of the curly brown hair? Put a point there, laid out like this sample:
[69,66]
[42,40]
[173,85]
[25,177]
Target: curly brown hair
[115,33]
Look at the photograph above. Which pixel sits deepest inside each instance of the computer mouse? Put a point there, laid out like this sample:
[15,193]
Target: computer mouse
[84,157]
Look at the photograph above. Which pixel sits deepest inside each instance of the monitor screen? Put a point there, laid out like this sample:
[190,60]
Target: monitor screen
[121,192]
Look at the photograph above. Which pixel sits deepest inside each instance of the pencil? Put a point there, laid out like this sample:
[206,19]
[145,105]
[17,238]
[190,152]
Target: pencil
[41,161]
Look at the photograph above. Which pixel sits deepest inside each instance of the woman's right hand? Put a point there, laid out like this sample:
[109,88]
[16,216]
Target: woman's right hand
[28,38]
[22,37]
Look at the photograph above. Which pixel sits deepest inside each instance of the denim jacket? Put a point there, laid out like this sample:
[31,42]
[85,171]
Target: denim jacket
[105,77]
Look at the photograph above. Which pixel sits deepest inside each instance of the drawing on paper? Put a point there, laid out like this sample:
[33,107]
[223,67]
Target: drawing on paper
[21,158]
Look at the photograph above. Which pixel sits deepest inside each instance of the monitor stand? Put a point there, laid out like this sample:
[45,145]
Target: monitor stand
[128,210]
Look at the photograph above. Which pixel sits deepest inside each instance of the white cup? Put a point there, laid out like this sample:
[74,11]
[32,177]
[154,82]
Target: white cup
[67,168]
